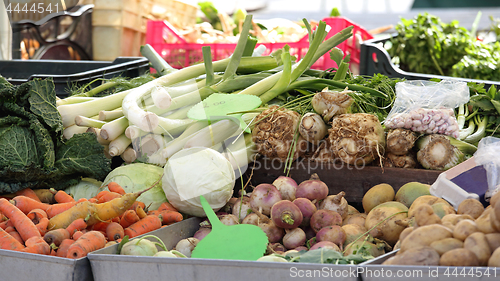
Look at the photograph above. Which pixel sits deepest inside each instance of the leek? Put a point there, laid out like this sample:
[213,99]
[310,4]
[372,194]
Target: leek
[114,129]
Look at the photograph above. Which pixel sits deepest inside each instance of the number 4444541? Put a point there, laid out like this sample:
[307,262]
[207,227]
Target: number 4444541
[470,272]
[33,8]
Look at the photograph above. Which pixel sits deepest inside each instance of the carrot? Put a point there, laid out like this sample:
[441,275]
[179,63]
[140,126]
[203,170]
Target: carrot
[28,192]
[108,197]
[115,187]
[63,247]
[26,204]
[45,196]
[56,209]
[100,226]
[42,226]
[10,228]
[137,203]
[39,248]
[145,225]
[33,240]
[62,197]
[7,242]
[93,200]
[21,222]
[77,234]
[166,206]
[116,219]
[81,200]
[114,231]
[154,212]
[5,224]
[16,235]
[140,212]
[102,193]
[169,217]
[96,212]
[36,215]
[90,241]
[56,236]
[76,225]
[128,218]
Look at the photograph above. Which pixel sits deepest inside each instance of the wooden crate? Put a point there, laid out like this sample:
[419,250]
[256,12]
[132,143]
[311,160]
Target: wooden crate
[355,182]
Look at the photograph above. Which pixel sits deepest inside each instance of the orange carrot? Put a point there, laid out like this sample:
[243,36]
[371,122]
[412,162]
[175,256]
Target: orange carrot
[102,193]
[26,204]
[140,212]
[166,206]
[62,251]
[56,236]
[62,197]
[115,187]
[100,226]
[128,218]
[33,240]
[21,222]
[116,219]
[90,241]
[56,209]
[28,192]
[76,225]
[39,248]
[145,225]
[7,242]
[16,235]
[81,200]
[154,212]
[114,231]
[10,228]
[93,200]
[136,203]
[108,197]
[169,217]
[77,234]
[36,215]
[42,226]
[5,224]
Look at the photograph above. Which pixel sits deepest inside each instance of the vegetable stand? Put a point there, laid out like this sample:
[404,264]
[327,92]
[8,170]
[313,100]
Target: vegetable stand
[107,266]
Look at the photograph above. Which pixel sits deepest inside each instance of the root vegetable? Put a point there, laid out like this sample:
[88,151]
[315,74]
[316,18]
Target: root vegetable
[424,215]
[359,219]
[324,218]
[424,256]
[202,232]
[351,210]
[335,203]
[357,246]
[273,232]
[406,161]
[274,133]
[436,152]
[353,232]
[400,141]
[242,208]
[325,245]
[447,244]
[357,139]
[424,236]
[186,246]
[312,189]
[229,219]
[471,207]
[301,248]
[377,195]
[252,218]
[440,209]
[286,215]
[331,103]
[276,247]
[459,257]
[386,214]
[410,191]
[494,260]
[312,128]
[287,187]
[263,197]
[493,240]
[334,233]
[294,238]
[478,244]
[307,208]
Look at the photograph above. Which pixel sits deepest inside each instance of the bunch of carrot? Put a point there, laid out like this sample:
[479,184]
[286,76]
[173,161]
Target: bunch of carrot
[72,228]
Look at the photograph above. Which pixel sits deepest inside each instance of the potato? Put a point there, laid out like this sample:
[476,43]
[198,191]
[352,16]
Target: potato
[484,222]
[494,199]
[464,228]
[459,257]
[359,219]
[493,240]
[494,260]
[495,217]
[377,195]
[424,215]
[405,233]
[471,207]
[351,210]
[455,218]
[449,225]
[388,230]
[417,256]
[424,236]
[444,245]
[477,243]
[442,206]
[397,245]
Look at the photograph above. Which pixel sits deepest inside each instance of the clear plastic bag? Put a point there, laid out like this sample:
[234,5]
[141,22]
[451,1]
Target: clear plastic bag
[427,107]
[487,154]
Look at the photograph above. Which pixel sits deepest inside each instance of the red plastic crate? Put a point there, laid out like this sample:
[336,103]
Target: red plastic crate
[178,53]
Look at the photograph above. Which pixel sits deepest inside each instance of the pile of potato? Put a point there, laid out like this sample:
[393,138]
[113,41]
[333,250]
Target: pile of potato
[437,236]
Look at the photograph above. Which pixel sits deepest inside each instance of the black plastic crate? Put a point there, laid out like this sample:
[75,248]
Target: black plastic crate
[67,73]
[375,59]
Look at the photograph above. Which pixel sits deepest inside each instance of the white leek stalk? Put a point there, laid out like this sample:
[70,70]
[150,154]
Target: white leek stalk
[109,115]
[97,132]
[118,145]
[115,128]
[129,155]
[173,127]
[180,141]
[68,132]
[213,134]
[88,122]
[72,100]
[160,97]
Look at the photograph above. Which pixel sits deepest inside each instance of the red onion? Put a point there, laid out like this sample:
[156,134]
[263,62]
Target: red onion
[252,218]
[322,218]
[202,232]
[334,233]
[294,238]
[245,207]
[312,189]
[285,214]
[263,197]
[287,187]
[335,203]
[325,245]
[307,208]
